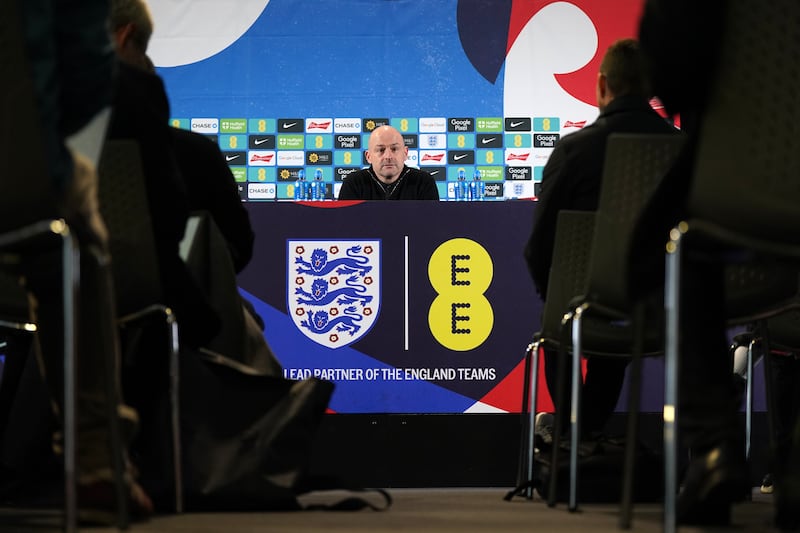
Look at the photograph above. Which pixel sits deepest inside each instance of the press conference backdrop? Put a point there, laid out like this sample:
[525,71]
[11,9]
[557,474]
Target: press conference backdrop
[291,85]
[286,86]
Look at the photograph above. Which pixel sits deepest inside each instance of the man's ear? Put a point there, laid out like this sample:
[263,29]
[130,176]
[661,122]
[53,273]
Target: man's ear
[602,85]
[124,34]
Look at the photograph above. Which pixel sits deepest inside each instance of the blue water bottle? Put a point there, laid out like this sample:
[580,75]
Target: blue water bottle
[300,186]
[461,187]
[318,186]
[477,188]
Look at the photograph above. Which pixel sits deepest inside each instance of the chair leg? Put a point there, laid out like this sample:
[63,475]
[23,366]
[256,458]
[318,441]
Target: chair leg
[748,416]
[174,392]
[672,308]
[634,401]
[533,378]
[561,381]
[70,284]
[524,439]
[575,407]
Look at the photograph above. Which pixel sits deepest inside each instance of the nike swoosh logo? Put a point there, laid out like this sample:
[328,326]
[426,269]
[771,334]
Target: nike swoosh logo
[434,172]
[259,141]
[487,141]
[230,158]
[515,124]
[288,124]
[459,157]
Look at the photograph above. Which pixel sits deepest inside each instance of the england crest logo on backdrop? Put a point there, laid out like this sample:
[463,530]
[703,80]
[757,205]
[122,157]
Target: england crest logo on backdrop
[333,288]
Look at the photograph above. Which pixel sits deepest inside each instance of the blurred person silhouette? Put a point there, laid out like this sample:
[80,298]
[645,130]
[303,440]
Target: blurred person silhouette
[571,180]
[141,113]
[388,177]
[71,60]
[684,70]
[212,188]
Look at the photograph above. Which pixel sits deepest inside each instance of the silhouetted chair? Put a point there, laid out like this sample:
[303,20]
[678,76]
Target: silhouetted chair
[634,165]
[30,227]
[744,199]
[140,299]
[567,278]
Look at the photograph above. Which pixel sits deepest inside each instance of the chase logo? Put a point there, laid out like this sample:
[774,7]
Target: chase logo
[546,124]
[261,191]
[347,125]
[333,288]
[205,125]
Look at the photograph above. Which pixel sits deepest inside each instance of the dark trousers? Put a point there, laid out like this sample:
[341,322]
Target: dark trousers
[601,388]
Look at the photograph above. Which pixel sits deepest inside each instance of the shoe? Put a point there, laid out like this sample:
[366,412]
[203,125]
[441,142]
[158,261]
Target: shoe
[713,482]
[97,503]
[766,484]
[543,430]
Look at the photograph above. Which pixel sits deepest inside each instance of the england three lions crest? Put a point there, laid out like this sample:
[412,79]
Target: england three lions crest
[333,288]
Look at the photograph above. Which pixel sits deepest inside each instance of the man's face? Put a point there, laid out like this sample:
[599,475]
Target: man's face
[387,153]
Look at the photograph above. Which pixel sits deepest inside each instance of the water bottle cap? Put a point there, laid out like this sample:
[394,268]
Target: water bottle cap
[301,174]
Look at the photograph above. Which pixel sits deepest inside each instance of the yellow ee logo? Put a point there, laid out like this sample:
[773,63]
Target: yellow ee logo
[460,317]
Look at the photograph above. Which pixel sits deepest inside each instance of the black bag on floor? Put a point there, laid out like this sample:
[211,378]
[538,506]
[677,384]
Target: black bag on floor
[247,438]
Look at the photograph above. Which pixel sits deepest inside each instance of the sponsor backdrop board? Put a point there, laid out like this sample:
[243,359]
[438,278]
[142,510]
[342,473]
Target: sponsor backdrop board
[410,307]
[488,85]
[297,85]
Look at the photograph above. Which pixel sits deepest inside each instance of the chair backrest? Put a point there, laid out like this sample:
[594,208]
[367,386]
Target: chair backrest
[568,271]
[634,166]
[208,260]
[747,174]
[123,204]
[26,191]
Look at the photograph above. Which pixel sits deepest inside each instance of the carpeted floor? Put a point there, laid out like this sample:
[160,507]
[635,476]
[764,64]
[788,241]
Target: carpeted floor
[419,510]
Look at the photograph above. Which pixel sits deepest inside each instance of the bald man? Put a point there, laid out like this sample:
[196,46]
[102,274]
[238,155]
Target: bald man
[388,177]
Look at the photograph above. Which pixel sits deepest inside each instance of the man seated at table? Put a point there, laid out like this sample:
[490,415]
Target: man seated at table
[388,177]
